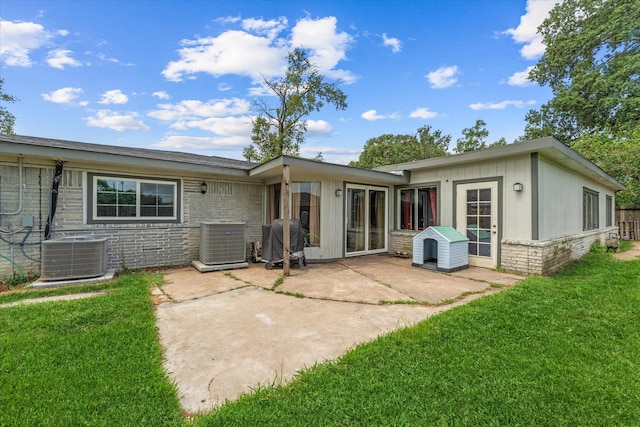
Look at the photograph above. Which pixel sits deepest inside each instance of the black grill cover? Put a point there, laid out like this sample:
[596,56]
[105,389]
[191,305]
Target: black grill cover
[272,239]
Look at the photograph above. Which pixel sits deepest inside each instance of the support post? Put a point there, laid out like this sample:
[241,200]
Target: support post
[286,215]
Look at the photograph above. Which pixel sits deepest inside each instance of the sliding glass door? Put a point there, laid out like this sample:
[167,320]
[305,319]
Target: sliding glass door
[367,221]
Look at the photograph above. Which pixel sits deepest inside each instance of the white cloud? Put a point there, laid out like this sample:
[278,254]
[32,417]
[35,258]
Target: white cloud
[193,109]
[372,115]
[318,128]
[228,19]
[392,42]
[19,39]
[527,31]
[65,95]
[223,87]
[224,126]
[114,97]
[161,94]
[500,105]
[260,50]
[423,113]
[232,52]
[59,58]
[270,28]
[202,143]
[521,78]
[116,121]
[328,46]
[443,77]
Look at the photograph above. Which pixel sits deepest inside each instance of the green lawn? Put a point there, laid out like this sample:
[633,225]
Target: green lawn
[549,351]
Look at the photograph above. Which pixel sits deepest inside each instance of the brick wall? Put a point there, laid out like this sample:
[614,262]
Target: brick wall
[401,243]
[526,256]
[548,257]
[130,245]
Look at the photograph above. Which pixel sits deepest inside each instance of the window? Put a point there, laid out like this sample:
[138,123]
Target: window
[609,211]
[305,201]
[127,199]
[589,209]
[418,208]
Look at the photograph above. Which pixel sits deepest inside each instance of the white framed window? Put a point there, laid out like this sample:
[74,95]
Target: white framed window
[417,208]
[609,208]
[132,199]
[589,209]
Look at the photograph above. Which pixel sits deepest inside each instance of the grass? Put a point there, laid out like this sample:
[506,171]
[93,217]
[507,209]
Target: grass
[95,361]
[549,352]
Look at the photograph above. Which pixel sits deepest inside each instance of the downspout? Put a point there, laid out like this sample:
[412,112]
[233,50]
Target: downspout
[53,202]
[21,194]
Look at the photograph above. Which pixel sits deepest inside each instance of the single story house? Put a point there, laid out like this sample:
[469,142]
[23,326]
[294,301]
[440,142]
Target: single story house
[529,207]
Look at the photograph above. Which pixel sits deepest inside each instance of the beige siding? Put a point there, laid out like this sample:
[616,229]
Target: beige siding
[560,201]
[516,206]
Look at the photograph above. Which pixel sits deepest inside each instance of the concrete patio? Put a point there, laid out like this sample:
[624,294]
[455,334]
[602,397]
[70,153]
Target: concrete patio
[226,332]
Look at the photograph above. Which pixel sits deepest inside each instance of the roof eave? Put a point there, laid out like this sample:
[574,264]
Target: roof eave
[56,153]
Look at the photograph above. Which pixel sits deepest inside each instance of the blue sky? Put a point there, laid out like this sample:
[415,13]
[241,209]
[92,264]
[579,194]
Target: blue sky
[182,75]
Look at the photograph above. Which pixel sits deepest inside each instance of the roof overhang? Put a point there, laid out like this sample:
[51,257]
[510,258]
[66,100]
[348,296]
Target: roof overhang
[548,148]
[96,154]
[307,169]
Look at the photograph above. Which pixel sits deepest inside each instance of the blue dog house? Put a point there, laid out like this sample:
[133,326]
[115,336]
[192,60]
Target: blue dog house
[441,248]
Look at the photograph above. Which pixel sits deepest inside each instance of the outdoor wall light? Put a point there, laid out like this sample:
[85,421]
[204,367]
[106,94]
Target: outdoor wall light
[518,187]
[339,192]
[203,187]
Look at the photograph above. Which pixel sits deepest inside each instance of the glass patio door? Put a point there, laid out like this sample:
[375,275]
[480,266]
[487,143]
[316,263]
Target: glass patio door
[477,218]
[367,222]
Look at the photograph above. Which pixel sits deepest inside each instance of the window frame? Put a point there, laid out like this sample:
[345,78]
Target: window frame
[274,207]
[92,207]
[415,203]
[609,214]
[590,209]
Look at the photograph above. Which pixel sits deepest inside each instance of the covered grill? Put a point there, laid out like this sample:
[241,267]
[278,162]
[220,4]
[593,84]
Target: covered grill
[272,243]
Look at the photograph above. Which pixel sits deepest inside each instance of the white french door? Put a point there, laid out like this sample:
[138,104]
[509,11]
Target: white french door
[477,218]
[366,220]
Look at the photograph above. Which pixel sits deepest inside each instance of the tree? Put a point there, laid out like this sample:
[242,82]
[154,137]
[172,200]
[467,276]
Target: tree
[280,129]
[390,149]
[474,138]
[7,120]
[591,64]
[619,156]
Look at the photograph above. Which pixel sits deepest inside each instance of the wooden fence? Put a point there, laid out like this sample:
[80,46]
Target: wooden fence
[628,219]
[630,229]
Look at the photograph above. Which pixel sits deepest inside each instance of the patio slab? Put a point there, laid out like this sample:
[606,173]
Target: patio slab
[226,332]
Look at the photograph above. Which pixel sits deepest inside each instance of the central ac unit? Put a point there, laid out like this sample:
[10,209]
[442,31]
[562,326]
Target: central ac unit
[78,257]
[222,242]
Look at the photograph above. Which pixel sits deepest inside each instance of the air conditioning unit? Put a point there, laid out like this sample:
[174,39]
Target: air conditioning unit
[222,243]
[78,257]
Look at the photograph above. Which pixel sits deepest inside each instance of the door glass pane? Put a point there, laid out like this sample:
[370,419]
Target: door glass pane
[377,208]
[355,219]
[478,217]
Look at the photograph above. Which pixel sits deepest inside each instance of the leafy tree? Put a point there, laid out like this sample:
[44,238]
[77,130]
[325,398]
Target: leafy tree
[390,149]
[474,138]
[280,129]
[619,156]
[591,63]
[7,120]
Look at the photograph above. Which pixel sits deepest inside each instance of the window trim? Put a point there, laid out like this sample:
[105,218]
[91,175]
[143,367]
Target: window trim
[92,178]
[609,208]
[594,213]
[414,188]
